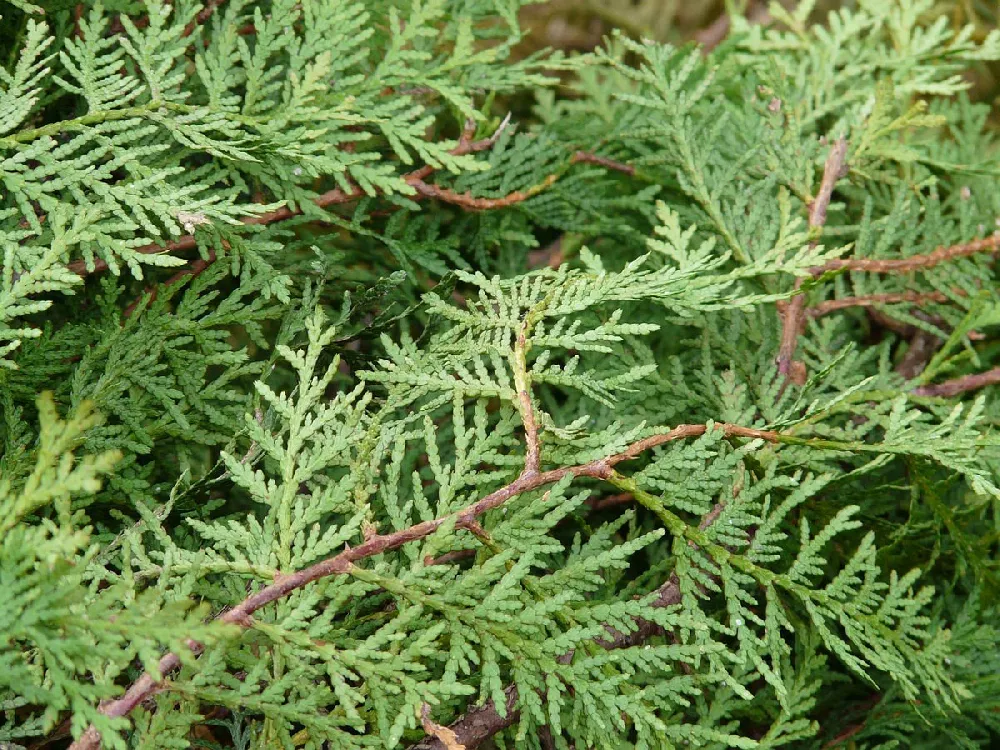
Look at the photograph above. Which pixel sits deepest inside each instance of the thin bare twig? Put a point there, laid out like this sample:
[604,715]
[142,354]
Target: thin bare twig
[960,385]
[193,269]
[873,300]
[449,557]
[611,501]
[203,15]
[602,161]
[913,263]
[792,319]
[343,563]
[468,201]
[922,347]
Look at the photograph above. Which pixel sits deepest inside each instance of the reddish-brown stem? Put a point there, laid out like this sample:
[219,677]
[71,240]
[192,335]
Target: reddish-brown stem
[833,170]
[193,269]
[873,300]
[342,563]
[602,161]
[913,263]
[337,196]
[960,385]
[921,349]
[332,197]
[77,15]
[791,327]
[468,201]
[203,15]
[685,431]
[853,729]
[922,344]
[792,319]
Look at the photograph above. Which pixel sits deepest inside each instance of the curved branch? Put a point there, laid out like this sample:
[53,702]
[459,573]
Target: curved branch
[795,311]
[343,562]
[415,180]
[470,202]
[333,197]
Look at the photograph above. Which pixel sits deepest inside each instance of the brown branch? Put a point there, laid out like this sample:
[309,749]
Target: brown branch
[792,318]
[853,729]
[194,269]
[414,179]
[449,557]
[203,15]
[833,170]
[687,431]
[873,300]
[445,735]
[960,385]
[479,724]
[923,345]
[794,312]
[791,326]
[468,201]
[602,161]
[332,197]
[342,563]
[913,263]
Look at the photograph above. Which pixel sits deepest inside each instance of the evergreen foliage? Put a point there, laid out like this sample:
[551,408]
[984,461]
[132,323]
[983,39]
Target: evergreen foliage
[368,381]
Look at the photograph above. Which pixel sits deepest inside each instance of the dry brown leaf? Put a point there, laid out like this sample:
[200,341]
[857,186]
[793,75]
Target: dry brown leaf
[447,736]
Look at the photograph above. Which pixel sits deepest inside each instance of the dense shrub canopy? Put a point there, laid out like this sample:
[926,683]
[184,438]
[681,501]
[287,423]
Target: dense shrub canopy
[370,377]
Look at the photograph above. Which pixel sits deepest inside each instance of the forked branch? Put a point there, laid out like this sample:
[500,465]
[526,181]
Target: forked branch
[792,318]
[795,311]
